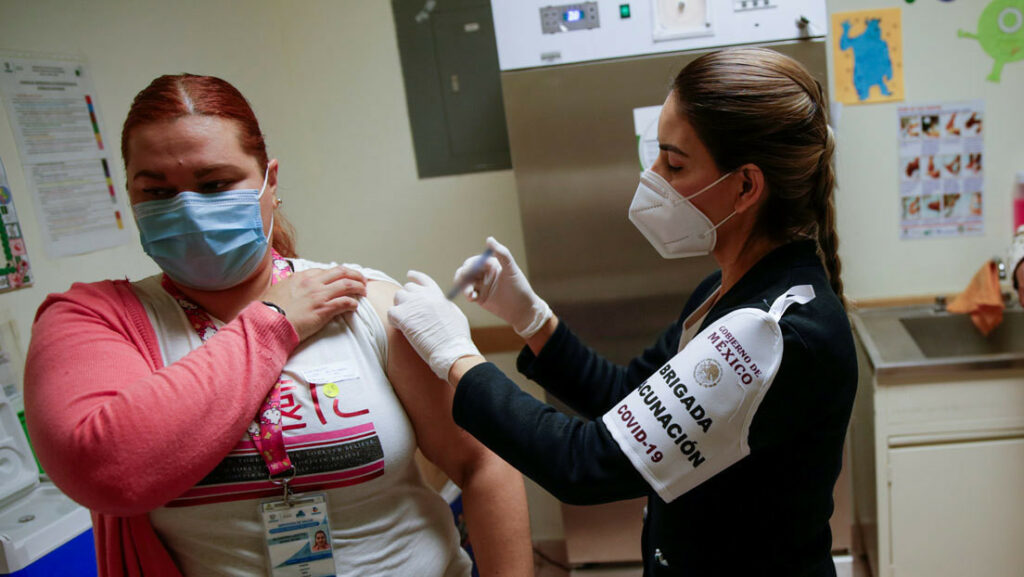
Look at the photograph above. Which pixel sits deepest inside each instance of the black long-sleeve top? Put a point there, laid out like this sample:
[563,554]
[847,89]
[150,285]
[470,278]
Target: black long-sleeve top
[765,515]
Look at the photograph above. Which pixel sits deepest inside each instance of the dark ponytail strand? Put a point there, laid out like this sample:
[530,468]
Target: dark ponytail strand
[824,201]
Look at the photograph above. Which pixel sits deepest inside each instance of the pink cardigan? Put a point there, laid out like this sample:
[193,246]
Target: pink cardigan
[122,434]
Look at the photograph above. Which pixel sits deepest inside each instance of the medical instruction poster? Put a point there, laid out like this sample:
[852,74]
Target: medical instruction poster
[15,271]
[645,124]
[941,163]
[867,56]
[52,107]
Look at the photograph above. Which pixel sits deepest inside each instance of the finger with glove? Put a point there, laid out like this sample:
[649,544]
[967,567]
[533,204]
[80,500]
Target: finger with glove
[433,325]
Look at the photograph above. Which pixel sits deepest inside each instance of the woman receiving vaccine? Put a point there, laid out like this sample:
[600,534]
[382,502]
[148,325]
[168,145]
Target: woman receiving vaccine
[247,412]
[732,423]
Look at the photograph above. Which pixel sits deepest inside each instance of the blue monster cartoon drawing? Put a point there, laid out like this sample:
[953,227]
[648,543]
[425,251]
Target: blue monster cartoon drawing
[872,65]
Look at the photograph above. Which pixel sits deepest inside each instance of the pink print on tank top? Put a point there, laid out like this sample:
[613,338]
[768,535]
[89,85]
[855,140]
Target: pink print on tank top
[239,476]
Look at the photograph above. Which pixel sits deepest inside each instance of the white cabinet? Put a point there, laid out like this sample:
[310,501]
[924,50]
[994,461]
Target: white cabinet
[938,467]
[958,508]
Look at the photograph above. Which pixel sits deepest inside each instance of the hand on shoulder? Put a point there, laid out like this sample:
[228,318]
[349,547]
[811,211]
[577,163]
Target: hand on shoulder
[310,298]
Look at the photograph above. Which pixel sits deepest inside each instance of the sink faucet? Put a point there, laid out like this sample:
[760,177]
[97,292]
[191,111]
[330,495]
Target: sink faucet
[940,304]
[1009,297]
[1000,266]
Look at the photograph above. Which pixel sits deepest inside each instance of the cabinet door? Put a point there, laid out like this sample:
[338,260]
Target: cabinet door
[957,509]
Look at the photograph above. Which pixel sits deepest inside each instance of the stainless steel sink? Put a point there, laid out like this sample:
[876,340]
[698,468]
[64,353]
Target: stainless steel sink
[947,335]
[919,339]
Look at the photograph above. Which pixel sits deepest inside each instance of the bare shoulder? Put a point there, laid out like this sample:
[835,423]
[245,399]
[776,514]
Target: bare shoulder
[381,295]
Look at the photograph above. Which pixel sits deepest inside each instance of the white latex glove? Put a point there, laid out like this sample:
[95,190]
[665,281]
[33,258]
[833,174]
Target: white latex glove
[1015,254]
[1014,258]
[433,325]
[501,288]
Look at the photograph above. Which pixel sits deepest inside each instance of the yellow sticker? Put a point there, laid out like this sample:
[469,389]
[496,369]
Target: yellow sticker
[331,390]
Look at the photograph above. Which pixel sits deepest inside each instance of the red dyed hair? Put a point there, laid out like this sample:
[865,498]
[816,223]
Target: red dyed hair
[170,97]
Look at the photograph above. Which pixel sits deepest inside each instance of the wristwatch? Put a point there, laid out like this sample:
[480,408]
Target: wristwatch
[275,307]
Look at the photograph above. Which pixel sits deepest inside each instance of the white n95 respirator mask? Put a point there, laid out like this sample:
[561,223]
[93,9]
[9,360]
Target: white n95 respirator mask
[672,224]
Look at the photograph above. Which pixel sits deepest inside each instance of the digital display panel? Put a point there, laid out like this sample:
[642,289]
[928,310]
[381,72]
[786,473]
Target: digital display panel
[569,17]
[574,15]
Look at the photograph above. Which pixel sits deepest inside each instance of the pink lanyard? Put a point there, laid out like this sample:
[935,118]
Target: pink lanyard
[265,430]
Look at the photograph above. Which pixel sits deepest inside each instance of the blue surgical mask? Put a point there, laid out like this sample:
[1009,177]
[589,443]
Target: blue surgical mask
[205,241]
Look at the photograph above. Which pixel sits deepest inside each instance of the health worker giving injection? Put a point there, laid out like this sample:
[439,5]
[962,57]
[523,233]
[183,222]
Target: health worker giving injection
[732,422]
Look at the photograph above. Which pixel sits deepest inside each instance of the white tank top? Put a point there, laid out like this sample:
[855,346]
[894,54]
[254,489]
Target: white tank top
[356,439]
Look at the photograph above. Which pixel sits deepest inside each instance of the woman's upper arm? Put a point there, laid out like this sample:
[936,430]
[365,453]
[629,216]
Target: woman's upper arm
[426,399]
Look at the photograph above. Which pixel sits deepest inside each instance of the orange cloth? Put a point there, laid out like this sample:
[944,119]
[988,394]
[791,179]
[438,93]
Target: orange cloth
[982,299]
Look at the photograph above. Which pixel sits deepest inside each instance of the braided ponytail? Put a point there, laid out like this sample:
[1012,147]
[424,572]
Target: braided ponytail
[824,203]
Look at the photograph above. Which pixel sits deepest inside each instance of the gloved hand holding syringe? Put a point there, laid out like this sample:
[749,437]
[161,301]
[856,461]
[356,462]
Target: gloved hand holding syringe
[465,278]
[436,327]
[495,282]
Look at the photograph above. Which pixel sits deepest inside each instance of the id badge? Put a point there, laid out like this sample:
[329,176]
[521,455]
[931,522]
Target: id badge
[298,536]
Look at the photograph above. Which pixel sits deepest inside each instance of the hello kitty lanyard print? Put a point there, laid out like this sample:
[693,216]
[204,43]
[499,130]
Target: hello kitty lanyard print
[265,430]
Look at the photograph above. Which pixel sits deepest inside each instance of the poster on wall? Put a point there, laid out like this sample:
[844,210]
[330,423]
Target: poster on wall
[52,107]
[867,56]
[645,124]
[941,169]
[15,271]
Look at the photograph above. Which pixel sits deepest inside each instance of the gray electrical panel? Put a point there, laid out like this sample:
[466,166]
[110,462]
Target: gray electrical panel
[452,85]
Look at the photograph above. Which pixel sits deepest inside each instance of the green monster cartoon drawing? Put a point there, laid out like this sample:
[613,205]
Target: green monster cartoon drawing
[1000,33]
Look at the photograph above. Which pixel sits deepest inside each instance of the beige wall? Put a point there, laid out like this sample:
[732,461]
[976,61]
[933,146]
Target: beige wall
[349,145]
[939,67]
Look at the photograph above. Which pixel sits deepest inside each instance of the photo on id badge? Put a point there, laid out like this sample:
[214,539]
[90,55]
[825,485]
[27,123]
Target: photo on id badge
[298,536]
